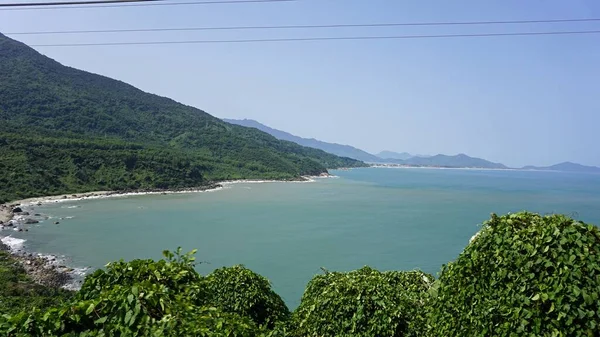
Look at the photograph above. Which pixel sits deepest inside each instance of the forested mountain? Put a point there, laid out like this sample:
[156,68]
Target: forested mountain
[337,149]
[65,130]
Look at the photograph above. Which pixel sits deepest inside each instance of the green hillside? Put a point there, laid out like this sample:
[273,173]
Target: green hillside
[65,130]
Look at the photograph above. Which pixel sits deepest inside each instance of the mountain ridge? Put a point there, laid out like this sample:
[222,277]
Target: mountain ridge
[394,155]
[460,160]
[566,166]
[456,161]
[66,130]
[334,148]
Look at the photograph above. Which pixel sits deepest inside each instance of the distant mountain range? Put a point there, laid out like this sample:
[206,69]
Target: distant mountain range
[460,160]
[404,158]
[337,149]
[567,167]
[394,155]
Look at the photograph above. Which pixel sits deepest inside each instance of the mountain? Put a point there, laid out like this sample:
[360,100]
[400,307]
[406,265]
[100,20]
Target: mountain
[65,130]
[337,149]
[394,155]
[566,167]
[460,160]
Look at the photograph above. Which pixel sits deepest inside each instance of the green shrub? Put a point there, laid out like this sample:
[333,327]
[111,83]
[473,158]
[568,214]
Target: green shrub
[176,272]
[239,290]
[138,298]
[364,302]
[523,275]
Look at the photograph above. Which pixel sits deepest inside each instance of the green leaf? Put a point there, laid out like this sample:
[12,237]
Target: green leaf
[90,309]
[128,316]
[101,320]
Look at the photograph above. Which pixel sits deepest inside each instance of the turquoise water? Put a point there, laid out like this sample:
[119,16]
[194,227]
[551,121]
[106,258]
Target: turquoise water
[391,219]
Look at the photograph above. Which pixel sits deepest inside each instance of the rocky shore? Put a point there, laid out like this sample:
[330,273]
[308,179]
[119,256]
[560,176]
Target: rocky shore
[44,270]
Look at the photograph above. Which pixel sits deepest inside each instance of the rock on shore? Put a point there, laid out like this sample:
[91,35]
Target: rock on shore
[41,269]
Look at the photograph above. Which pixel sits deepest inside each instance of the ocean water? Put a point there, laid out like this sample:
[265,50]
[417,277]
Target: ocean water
[390,219]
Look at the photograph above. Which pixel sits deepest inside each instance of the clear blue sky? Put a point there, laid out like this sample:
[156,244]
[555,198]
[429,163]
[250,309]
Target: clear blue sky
[515,100]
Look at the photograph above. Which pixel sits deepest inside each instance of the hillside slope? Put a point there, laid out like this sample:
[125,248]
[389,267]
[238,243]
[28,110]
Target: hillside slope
[43,103]
[333,148]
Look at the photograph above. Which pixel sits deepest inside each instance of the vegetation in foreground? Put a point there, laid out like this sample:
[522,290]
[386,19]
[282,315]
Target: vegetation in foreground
[523,275]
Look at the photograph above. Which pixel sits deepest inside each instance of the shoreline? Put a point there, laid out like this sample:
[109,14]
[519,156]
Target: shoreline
[47,270]
[6,208]
[51,270]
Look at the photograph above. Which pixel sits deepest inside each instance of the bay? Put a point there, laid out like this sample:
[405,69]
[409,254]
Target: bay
[390,219]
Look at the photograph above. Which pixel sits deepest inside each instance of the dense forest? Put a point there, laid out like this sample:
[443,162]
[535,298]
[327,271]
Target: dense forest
[65,130]
[522,275]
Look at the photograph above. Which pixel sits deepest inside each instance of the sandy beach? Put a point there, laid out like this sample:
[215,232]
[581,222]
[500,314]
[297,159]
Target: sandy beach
[6,213]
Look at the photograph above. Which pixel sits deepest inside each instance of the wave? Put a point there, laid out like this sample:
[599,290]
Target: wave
[13,243]
[60,262]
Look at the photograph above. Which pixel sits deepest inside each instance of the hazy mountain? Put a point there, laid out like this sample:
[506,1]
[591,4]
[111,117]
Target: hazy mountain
[460,160]
[566,167]
[394,155]
[337,149]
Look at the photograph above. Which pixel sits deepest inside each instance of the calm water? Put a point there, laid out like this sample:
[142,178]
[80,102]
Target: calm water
[398,219]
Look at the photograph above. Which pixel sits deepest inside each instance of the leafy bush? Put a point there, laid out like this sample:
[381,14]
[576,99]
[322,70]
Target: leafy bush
[176,272]
[364,302]
[139,298]
[523,275]
[239,290]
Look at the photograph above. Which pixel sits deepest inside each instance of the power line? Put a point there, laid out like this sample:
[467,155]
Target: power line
[398,37]
[306,26]
[65,3]
[115,3]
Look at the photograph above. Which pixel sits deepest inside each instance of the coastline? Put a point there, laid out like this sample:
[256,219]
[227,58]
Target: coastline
[47,270]
[51,270]
[6,209]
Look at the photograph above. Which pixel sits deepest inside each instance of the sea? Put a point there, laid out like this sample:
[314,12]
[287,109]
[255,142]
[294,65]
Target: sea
[387,218]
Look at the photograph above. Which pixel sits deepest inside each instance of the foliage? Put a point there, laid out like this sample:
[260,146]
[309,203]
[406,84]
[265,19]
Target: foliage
[364,302]
[176,272]
[64,130]
[19,293]
[523,275]
[239,290]
[139,298]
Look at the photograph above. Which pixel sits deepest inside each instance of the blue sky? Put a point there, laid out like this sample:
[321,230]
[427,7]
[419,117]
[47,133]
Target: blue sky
[515,100]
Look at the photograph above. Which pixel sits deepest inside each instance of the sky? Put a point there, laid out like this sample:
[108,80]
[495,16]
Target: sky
[516,100]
